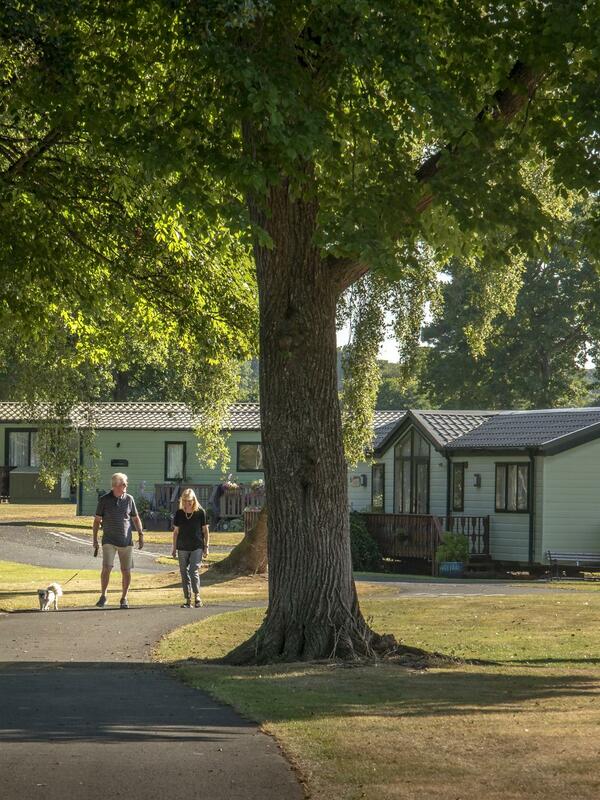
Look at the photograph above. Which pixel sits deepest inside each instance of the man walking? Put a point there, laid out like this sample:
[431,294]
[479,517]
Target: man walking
[116,511]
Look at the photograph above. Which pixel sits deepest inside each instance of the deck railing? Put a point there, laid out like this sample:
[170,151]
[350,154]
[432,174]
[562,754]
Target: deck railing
[418,535]
[405,535]
[231,503]
[476,529]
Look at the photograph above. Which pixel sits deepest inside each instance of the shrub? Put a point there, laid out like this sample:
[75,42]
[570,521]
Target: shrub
[454,547]
[365,553]
[234,525]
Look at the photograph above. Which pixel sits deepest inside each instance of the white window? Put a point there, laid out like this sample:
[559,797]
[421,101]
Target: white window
[174,461]
[22,449]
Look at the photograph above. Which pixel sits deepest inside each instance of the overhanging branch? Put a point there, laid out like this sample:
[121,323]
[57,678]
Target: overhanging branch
[508,102]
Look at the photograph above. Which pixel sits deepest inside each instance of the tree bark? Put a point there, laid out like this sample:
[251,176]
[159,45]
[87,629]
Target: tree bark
[313,608]
[249,557]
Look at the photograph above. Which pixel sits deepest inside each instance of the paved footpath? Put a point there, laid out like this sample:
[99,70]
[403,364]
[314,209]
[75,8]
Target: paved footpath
[85,715]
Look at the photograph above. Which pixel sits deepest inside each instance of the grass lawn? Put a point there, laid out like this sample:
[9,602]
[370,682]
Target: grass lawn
[61,517]
[524,726]
[19,584]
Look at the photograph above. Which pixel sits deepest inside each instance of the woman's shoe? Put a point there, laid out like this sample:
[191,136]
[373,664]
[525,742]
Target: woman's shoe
[198,603]
[186,604]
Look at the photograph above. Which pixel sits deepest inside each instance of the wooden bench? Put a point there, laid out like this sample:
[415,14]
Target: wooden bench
[556,558]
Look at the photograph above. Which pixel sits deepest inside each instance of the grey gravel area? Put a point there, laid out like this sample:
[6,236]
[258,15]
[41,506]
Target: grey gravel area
[85,715]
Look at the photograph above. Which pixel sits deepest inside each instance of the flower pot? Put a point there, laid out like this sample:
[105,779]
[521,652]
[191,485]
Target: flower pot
[451,569]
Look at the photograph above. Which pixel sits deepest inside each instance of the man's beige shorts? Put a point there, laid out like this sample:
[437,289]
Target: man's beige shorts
[125,556]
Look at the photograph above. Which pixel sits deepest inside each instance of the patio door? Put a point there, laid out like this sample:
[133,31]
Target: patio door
[411,474]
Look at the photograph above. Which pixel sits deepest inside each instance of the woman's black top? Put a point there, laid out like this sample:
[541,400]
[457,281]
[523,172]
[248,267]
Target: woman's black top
[190,536]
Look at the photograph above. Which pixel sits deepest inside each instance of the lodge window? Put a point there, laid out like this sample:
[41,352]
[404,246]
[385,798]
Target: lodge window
[249,457]
[175,458]
[458,486]
[512,487]
[22,448]
[411,474]
[378,487]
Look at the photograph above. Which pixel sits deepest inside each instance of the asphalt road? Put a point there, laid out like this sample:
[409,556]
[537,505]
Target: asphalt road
[65,550]
[84,715]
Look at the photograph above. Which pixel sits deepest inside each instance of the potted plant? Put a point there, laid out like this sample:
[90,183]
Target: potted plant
[452,555]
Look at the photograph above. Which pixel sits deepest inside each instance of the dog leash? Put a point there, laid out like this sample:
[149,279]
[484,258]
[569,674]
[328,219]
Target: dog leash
[71,578]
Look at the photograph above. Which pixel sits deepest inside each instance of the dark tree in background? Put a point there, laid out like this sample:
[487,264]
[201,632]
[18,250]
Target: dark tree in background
[535,358]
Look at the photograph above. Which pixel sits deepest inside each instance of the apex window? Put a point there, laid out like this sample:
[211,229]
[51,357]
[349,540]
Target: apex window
[411,474]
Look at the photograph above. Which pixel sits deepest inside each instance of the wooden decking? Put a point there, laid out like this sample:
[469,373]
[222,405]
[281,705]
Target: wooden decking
[418,535]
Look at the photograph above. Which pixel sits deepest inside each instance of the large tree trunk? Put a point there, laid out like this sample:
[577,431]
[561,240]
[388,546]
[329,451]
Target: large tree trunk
[313,608]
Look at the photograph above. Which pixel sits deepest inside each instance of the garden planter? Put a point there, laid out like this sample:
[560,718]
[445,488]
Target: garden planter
[156,522]
[451,569]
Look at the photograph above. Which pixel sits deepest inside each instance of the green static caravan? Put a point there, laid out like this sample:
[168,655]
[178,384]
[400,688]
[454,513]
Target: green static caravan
[532,477]
[152,443]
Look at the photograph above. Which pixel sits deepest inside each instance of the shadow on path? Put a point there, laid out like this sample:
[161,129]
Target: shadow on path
[91,702]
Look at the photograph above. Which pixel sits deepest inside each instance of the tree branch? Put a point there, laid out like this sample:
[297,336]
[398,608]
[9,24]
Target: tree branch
[523,82]
[31,155]
[345,271]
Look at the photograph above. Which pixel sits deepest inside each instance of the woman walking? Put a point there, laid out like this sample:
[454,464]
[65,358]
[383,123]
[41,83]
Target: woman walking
[190,543]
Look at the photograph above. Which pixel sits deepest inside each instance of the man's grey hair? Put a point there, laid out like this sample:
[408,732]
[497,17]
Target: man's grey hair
[117,478]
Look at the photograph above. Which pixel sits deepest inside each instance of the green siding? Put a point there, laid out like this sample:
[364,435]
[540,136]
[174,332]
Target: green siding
[145,451]
[509,532]
[359,497]
[571,499]
[438,471]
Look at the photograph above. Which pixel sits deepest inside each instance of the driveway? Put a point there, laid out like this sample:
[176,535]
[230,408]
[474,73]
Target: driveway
[85,714]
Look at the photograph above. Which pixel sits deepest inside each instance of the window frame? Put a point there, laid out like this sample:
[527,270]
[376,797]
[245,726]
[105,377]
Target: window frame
[7,433]
[504,465]
[237,460]
[463,465]
[184,464]
[380,467]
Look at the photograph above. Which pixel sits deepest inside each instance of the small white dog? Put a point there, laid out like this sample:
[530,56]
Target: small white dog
[49,597]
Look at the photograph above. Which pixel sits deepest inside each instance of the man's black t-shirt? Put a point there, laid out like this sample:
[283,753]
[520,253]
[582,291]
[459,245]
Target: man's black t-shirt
[190,536]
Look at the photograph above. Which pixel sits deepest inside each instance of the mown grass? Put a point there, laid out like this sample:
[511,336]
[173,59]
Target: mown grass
[521,724]
[62,517]
[19,584]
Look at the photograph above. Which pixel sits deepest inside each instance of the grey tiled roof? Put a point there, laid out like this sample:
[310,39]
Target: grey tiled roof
[385,423]
[523,429]
[162,416]
[444,426]
[136,416]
